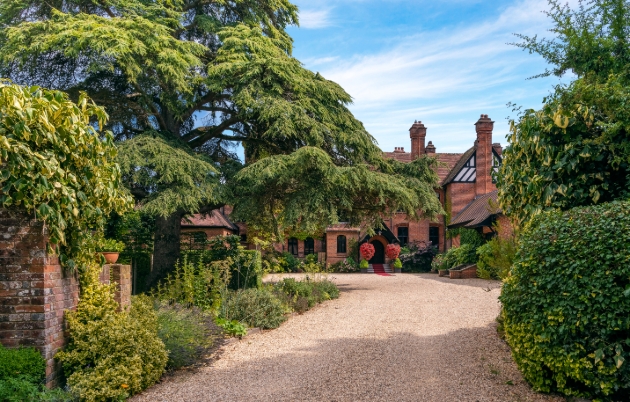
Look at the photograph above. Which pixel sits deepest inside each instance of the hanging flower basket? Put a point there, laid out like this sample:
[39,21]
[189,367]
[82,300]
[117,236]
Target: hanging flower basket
[367,251]
[392,251]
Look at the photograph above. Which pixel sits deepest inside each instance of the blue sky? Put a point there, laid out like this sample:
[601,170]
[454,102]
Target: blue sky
[443,62]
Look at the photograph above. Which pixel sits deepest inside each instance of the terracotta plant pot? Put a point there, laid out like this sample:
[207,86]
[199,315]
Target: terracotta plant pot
[110,256]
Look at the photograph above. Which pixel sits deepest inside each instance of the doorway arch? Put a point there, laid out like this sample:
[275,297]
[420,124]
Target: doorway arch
[379,253]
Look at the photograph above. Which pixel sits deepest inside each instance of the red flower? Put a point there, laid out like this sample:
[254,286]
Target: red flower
[392,251]
[367,251]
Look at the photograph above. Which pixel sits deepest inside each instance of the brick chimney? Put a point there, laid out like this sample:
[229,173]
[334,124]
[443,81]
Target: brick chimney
[418,133]
[497,148]
[484,183]
[399,150]
[430,149]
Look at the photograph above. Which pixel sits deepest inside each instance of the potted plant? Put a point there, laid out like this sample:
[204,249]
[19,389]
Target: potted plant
[110,249]
[367,252]
[393,251]
[364,265]
[397,266]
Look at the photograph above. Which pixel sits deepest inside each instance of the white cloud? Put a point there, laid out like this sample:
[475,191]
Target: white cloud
[445,78]
[314,19]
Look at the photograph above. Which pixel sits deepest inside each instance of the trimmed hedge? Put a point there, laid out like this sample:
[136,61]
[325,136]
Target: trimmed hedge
[566,305]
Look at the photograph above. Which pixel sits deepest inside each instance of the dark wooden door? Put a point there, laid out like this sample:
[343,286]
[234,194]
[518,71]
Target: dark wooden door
[379,253]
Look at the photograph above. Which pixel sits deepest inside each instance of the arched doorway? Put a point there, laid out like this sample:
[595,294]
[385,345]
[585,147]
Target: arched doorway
[379,253]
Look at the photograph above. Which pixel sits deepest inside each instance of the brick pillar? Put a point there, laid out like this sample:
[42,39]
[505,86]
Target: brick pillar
[121,276]
[34,289]
[430,149]
[418,134]
[483,184]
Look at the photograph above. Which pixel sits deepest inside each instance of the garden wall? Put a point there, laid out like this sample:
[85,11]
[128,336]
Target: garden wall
[35,290]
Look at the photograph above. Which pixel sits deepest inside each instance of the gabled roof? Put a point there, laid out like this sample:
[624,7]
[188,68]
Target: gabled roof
[386,233]
[448,159]
[459,165]
[214,219]
[478,213]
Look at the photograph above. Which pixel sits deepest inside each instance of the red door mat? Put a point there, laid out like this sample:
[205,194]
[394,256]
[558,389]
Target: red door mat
[379,269]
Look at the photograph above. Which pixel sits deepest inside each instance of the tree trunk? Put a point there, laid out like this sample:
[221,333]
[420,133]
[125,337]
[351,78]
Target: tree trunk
[166,247]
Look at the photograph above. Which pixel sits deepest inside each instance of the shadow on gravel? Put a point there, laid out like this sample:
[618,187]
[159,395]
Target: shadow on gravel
[464,365]
[475,283]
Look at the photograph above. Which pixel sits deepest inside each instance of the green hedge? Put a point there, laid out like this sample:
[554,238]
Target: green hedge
[566,305]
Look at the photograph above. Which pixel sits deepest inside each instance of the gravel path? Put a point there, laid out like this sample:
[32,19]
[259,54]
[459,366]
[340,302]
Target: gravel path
[399,338]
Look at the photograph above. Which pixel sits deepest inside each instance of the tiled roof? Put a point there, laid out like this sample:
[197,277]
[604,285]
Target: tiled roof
[448,159]
[341,227]
[478,212]
[399,156]
[459,165]
[214,219]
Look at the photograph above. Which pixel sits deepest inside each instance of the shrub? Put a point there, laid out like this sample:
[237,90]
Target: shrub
[201,285]
[186,333]
[25,363]
[289,262]
[112,355]
[232,328]
[347,265]
[465,254]
[398,264]
[300,296]
[364,264]
[467,236]
[254,307]
[245,266]
[496,257]
[21,390]
[566,303]
[417,257]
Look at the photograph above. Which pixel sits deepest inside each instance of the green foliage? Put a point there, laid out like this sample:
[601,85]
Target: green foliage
[417,257]
[21,390]
[26,363]
[496,258]
[111,355]
[232,328]
[289,263]
[347,265]
[465,254]
[566,303]
[398,264]
[302,295]
[258,308]
[466,236]
[364,264]
[185,332]
[294,192]
[575,150]
[57,166]
[245,266]
[165,176]
[201,284]
[110,245]
[158,65]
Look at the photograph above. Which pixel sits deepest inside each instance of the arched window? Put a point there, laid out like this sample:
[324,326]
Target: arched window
[309,246]
[341,244]
[293,246]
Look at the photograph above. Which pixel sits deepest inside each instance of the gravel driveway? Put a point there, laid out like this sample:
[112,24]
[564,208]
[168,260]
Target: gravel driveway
[406,337]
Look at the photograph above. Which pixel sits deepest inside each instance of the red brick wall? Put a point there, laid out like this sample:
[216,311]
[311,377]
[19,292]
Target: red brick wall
[34,289]
[459,195]
[331,244]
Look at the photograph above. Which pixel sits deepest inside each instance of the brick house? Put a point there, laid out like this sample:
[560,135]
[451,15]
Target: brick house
[466,190]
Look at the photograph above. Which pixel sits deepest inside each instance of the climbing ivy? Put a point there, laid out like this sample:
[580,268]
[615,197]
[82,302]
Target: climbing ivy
[56,166]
